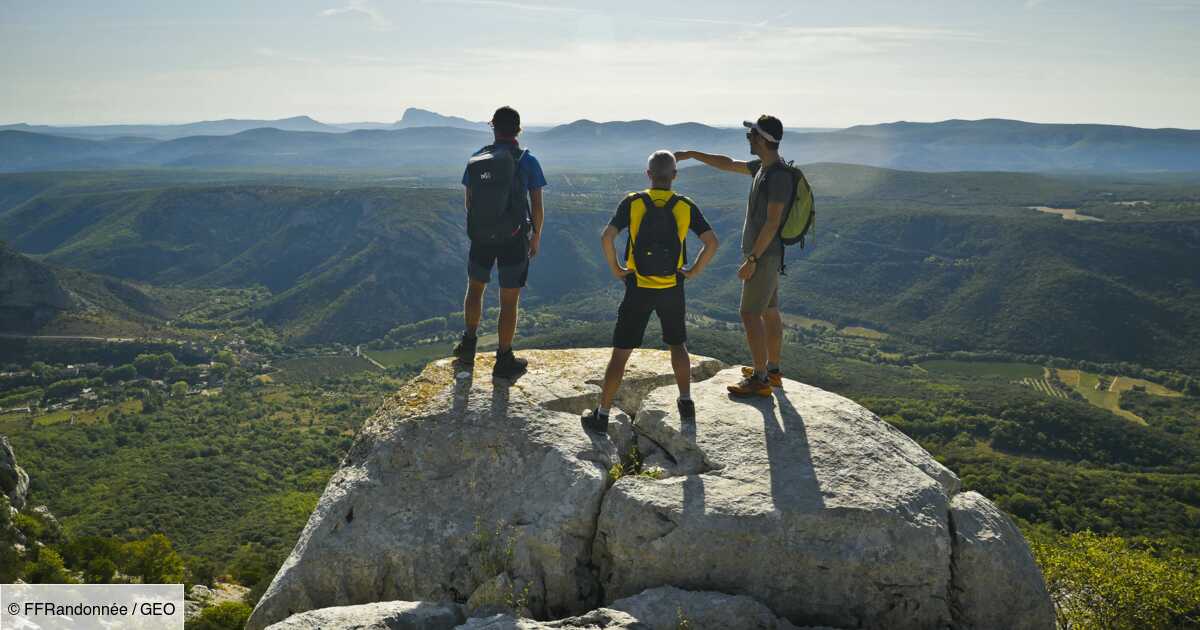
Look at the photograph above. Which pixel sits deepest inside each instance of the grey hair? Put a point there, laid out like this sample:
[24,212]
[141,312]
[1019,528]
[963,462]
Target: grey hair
[661,163]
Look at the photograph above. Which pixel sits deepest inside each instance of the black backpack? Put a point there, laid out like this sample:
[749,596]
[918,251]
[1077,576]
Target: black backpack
[657,248]
[499,208]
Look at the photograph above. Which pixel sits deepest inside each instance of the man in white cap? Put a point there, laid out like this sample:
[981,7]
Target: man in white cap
[770,192]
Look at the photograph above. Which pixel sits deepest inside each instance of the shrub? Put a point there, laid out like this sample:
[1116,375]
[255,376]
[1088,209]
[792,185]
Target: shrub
[223,616]
[1104,582]
[48,569]
[153,560]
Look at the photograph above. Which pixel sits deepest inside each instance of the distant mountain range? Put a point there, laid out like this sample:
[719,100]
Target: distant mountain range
[413,117]
[427,140]
[225,127]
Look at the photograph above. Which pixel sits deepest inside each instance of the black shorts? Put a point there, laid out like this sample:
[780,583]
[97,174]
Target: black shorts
[511,258]
[634,314]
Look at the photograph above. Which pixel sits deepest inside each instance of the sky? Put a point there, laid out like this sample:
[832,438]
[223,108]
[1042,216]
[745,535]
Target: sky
[813,64]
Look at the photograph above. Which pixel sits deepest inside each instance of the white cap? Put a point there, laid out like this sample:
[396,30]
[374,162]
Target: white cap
[753,125]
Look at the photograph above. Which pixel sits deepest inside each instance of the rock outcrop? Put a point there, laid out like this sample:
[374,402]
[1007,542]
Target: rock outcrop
[996,584]
[803,508]
[667,608]
[378,616]
[805,501]
[30,294]
[14,482]
[663,608]
[456,481]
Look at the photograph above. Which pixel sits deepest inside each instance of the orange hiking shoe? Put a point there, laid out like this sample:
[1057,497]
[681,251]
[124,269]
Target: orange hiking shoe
[751,386]
[776,377]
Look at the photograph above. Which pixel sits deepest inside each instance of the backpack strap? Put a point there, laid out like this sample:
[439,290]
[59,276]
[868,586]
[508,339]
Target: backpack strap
[628,202]
[796,175]
[649,203]
[518,184]
[671,203]
[518,158]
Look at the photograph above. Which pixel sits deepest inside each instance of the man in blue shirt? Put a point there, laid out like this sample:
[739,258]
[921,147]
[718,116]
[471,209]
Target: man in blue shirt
[510,257]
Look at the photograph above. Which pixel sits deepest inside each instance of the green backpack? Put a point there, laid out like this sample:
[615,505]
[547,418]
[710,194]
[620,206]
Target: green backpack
[800,214]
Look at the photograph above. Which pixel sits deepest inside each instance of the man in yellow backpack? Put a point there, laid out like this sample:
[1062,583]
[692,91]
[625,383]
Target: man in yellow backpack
[771,192]
[658,221]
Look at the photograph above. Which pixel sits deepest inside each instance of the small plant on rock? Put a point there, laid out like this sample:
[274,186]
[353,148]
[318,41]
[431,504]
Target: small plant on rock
[518,601]
[682,621]
[494,548]
[632,464]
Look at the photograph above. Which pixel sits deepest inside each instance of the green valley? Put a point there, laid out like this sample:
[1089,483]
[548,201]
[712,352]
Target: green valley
[1053,364]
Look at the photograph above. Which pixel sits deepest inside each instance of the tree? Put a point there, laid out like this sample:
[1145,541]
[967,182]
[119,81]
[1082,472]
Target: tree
[252,564]
[154,365]
[48,569]
[117,374]
[1104,582]
[179,389]
[218,372]
[65,388]
[154,560]
[202,571]
[99,571]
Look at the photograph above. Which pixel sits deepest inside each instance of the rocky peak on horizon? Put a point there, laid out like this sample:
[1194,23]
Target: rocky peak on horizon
[417,117]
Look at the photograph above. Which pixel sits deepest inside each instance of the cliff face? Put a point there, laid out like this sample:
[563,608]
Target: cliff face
[491,497]
[30,295]
[14,482]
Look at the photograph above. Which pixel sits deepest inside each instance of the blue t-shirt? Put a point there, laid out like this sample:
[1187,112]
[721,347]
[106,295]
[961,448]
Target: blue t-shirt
[529,168]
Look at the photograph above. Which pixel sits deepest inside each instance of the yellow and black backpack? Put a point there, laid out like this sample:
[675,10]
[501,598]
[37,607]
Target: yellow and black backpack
[657,248]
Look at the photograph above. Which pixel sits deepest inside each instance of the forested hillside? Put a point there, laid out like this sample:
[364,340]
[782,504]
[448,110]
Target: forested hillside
[948,261]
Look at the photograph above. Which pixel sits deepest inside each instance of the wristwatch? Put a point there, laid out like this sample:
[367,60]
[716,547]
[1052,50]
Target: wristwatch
[752,259]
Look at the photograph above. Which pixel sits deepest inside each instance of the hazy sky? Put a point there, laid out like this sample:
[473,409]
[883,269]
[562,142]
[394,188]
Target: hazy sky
[811,63]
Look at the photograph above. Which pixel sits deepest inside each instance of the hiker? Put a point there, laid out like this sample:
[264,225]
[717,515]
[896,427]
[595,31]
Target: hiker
[771,191]
[503,198]
[658,221]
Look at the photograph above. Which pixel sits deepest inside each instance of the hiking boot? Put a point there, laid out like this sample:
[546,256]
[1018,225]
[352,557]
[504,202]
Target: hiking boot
[508,365]
[751,386]
[464,352]
[774,376]
[687,409]
[593,421]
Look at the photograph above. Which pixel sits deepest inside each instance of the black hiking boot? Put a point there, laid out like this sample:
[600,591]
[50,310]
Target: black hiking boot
[593,421]
[464,352]
[687,410]
[508,365]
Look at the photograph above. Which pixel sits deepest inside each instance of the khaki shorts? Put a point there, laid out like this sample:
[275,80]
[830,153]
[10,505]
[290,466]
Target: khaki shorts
[761,291]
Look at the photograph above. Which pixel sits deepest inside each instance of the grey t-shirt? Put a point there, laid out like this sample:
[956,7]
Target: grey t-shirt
[778,189]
